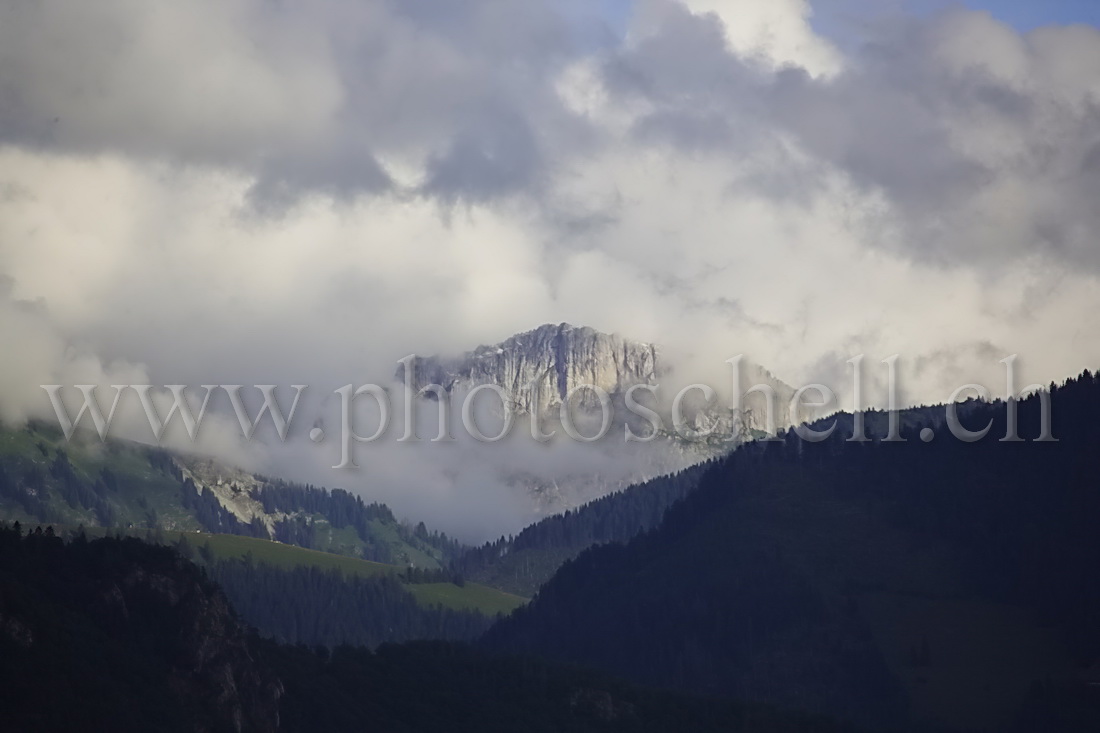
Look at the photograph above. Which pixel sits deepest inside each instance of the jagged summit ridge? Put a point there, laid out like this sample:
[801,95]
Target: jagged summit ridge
[539,368]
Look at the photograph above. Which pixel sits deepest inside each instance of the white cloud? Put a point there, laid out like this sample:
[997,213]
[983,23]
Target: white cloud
[775,32]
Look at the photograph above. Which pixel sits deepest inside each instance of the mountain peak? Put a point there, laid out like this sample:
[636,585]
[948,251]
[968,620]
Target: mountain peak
[550,329]
[539,368]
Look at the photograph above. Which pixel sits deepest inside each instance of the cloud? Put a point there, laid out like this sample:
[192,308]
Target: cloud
[207,81]
[38,354]
[256,192]
[978,137]
[776,33]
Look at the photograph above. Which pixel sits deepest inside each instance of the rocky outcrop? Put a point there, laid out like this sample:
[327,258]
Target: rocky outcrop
[540,368]
[234,489]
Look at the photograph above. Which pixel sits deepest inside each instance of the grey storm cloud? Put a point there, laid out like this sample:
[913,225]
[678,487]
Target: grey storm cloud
[953,119]
[952,127]
[304,99]
[956,139]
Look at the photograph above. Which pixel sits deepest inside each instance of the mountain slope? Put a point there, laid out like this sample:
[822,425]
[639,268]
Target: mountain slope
[539,371]
[129,636]
[123,636]
[521,564]
[937,585]
[430,587]
[170,499]
[45,479]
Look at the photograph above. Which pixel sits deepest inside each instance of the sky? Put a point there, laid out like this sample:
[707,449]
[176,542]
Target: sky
[250,192]
[1024,15]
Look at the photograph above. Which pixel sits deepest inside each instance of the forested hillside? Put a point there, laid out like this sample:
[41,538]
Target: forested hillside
[45,479]
[308,605]
[940,584]
[120,635]
[521,564]
[106,488]
[303,596]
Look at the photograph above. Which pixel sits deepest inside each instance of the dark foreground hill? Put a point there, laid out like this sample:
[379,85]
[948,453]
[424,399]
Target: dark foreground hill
[120,635]
[914,585]
[521,564]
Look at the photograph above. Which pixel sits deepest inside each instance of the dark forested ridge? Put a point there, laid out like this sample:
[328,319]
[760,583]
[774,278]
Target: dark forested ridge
[426,687]
[299,596]
[316,607]
[120,635]
[522,563]
[938,585]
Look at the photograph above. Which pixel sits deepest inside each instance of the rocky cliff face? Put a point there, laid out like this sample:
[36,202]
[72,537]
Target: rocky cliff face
[539,369]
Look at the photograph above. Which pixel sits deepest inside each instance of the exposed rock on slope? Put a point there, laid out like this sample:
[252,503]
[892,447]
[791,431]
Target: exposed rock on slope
[233,488]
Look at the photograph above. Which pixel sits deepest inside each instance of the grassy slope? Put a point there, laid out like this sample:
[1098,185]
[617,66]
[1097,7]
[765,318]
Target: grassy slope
[471,596]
